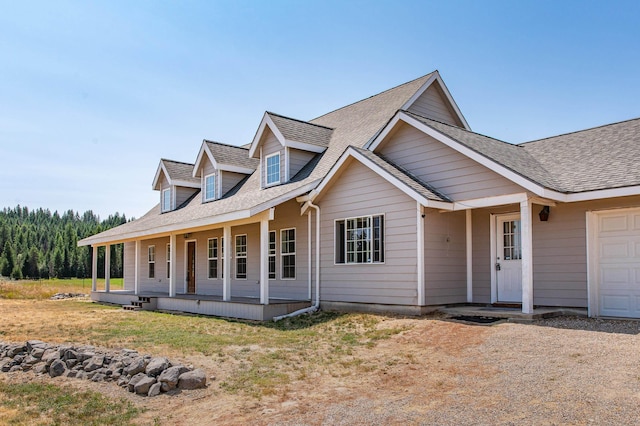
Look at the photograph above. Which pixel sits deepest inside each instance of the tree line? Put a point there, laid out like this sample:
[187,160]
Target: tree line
[40,244]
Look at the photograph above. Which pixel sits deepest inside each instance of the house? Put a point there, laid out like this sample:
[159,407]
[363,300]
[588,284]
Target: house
[394,204]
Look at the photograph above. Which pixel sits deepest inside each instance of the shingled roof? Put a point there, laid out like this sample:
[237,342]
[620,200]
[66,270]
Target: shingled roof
[179,171]
[302,131]
[231,155]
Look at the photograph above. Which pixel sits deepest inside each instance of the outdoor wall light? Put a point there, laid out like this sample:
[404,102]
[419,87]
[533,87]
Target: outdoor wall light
[186,236]
[544,214]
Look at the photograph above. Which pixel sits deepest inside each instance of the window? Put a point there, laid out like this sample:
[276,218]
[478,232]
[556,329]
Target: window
[272,255]
[209,187]
[511,240]
[168,260]
[360,240]
[152,261]
[166,200]
[288,253]
[212,255]
[272,176]
[241,257]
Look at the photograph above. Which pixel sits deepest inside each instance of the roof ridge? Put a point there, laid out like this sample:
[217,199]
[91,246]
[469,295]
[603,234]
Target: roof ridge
[580,131]
[225,144]
[299,121]
[457,127]
[178,162]
[377,94]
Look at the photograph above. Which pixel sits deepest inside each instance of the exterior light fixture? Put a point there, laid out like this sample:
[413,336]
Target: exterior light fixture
[544,214]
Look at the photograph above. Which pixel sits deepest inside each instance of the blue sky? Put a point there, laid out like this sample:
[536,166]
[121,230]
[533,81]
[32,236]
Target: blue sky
[93,94]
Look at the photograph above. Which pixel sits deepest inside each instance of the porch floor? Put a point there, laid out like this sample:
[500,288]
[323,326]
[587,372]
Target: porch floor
[511,314]
[202,297]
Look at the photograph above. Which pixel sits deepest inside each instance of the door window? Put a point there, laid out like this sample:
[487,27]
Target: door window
[512,247]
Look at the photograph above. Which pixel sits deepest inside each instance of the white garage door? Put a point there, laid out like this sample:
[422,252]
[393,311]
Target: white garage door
[619,263]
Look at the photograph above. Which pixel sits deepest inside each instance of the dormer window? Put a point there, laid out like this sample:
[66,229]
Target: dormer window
[166,200]
[210,187]
[272,169]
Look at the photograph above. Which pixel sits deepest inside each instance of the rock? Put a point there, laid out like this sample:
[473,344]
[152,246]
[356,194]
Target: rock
[134,381]
[156,366]
[136,366]
[195,379]
[94,363]
[123,382]
[98,377]
[32,344]
[143,385]
[57,368]
[71,362]
[72,373]
[154,390]
[30,360]
[40,368]
[84,355]
[169,377]
[15,368]
[70,354]
[50,355]
[15,350]
[37,352]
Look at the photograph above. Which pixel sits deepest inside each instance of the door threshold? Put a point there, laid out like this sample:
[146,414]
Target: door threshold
[507,305]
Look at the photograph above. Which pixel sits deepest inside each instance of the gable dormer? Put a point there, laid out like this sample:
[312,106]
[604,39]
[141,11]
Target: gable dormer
[175,182]
[220,167]
[434,101]
[285,145]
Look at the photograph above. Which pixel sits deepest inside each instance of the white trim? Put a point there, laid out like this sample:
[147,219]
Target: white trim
[216,258]
[149,261]
[593,287]
[264,261]
[268,122]
[107,268]
[136,268]
[603,193]
[526,238]
[226,264]
[493,255]
[304,146]
[420,225]
[237,256]
[383,237]
[185,184]
[445,90]
[163,208]
[295,255]
[177,182]
[186,266]
[469,251]
[204,186]
[174,259]
[498,200]
[267,184]
[235,169]
[94,268]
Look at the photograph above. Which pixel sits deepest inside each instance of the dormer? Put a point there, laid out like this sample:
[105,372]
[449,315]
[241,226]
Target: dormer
[285,145]
[176,184]
[220,167]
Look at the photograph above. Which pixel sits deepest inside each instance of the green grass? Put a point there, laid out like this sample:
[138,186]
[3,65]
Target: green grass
[46,404]
[44,289]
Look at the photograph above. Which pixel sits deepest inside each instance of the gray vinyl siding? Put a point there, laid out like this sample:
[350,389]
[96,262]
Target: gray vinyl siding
[271,145]
[448,171]
[129,265]
[298,159]
[445,257]
[183,194]
[159,283]
[360,192]
[432,104]
[229,179]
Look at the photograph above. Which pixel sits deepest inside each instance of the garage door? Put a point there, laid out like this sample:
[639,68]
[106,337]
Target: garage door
[619,263]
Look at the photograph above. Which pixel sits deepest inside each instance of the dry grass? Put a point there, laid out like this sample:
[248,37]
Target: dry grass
[44,289]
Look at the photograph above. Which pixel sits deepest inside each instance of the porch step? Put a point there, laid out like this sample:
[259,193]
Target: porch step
[131,308]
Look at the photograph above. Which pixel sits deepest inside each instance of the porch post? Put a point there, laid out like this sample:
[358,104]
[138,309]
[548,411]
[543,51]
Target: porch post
[107,268]
[264,264]
[172,266]
[94,269]
[136,273]
[420,252]
[469,241]
[226,264]
[527,257]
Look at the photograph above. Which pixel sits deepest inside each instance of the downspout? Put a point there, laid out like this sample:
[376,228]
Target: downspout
[316,306]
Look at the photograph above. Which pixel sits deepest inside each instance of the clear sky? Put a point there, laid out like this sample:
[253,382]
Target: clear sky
[94,93]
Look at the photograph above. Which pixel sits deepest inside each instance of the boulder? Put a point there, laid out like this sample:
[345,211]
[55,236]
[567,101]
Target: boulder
[195,379]
[37,352]
[32,344]
[50,355]
[40,368]
[93,363]
[154,390]
[136,366]
[156,366]
[15,350]
[15,368]
[144,384]
[57,368]
[169,377]
[134,381]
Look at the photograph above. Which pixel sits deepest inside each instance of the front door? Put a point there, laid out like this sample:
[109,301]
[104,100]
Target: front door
[509,259]
[191,267]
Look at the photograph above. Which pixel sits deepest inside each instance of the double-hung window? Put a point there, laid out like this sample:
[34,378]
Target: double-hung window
[212,255]
[241,257]
[360,240]
[288,253]
[168,260]
[210,187]
[152,261]
[166,200]
[272,174]
[272,255]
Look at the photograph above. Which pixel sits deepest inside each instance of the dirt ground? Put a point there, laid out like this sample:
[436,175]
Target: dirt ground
[558,371]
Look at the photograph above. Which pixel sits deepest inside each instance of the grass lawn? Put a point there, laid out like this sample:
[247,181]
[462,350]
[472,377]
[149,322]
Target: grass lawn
[44,289]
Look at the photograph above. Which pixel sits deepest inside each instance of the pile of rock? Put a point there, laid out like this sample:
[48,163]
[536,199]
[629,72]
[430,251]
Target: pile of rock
[142,374]
[59,296]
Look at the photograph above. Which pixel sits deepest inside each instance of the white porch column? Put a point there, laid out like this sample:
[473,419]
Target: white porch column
[94,269]
[420,252]
[469,242]
[172,267]
[136,273]
[527,256]
[264,261]
[107,268]
[226,264]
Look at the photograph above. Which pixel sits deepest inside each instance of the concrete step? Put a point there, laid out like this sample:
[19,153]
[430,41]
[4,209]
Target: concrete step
[131,308]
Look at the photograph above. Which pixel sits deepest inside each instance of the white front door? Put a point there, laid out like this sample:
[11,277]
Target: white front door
[508,259]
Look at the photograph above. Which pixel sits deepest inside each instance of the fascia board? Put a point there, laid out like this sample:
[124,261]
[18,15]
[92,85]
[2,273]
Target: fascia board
[235,169]
[156,178]
[266,121]
[304,146]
